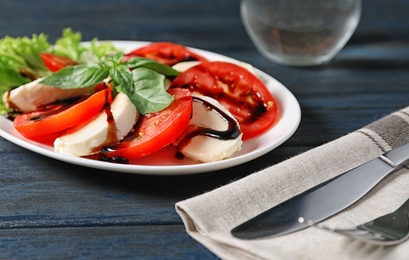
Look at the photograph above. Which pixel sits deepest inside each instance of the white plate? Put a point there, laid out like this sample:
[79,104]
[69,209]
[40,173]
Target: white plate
[164,162]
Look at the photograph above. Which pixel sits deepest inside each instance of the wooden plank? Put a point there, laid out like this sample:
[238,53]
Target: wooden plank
[50,209]
[111,242]
[36,191]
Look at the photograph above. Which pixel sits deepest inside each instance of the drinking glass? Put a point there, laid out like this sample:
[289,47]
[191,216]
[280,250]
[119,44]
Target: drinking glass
[300,32]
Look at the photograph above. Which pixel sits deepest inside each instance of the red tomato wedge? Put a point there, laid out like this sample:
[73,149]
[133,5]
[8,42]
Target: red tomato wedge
[157,130]
[237,89]
[166,53]
[60,116]
[47,139]
[55,62]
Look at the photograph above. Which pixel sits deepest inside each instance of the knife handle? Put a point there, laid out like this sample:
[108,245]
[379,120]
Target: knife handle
[399,156]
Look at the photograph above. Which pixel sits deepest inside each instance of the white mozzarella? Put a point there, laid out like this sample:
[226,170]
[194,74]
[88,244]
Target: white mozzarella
[184,65]
[248,67]
[96,133]
[30,96]
[208,149]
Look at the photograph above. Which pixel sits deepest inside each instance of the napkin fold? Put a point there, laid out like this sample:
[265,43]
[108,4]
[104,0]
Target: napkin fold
[210,217]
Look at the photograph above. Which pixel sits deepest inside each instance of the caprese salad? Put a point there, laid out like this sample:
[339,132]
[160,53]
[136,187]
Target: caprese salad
[96,102]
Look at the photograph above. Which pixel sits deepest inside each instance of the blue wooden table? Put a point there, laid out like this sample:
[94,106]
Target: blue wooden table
[51,209]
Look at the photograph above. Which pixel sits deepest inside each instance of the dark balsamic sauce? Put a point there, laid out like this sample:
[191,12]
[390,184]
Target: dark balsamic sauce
[28,74]
[112,136]
[232,132]
[179,155]
[11,115]
[188,58]
[9,103]
[249,102]
[257,111]
[115,159]
[55,108]
[102,158]
[178,60]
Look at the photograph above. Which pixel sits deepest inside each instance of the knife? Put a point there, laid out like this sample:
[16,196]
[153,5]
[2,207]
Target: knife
[323,200]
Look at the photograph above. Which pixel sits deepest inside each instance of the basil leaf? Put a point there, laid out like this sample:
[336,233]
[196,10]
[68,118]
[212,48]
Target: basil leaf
[122,76]
[148,93]
[80,76]
[114,60]
[153,65]
[145,85]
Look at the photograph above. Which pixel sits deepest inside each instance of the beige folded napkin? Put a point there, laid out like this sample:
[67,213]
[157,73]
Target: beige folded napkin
[210,217]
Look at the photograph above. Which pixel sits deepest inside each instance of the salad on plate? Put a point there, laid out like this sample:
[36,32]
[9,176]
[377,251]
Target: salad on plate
[95,101]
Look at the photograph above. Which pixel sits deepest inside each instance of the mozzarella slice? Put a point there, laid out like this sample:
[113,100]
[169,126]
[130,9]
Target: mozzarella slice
[98,132]
[30,96]
[209,149]
[185,65]
[203,148]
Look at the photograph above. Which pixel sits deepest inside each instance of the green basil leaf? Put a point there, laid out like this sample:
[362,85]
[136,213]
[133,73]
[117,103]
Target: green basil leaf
[148,93]
[121,75]
[114,60]
[153,65]
[79,76]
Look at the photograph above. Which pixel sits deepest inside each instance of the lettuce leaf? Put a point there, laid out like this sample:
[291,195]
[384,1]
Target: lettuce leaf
[23,54]
[20,62]
[145,85]
[20,57]
[69,45]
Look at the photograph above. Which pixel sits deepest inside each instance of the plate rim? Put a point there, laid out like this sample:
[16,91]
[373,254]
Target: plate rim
[169,170]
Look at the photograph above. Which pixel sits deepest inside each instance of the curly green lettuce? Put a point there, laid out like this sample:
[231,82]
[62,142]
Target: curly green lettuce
[20,62]
[20,57]
[69,45]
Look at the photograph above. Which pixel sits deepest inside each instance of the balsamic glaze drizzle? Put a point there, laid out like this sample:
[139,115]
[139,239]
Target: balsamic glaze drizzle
[232,132]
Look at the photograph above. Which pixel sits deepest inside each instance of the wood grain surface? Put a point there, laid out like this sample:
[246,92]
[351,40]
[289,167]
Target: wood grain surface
[53,210]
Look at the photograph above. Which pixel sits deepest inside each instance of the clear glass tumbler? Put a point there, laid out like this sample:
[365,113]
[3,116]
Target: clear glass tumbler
[300,32]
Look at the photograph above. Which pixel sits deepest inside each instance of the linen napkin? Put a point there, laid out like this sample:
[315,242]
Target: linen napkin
[210,217]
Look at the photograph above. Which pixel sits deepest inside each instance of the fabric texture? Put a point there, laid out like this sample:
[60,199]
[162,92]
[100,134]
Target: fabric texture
[210,217]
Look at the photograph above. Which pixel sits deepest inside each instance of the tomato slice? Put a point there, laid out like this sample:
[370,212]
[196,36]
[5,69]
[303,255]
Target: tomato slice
[157,130]
[47,139]
[55,62]
[61,115]
[237,89]
[166,53]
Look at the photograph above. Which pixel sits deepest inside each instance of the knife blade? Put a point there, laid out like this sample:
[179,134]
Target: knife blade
[323,200]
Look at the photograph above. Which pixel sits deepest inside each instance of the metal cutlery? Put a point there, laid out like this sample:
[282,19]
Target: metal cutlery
[315,205]
[390,229]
